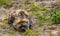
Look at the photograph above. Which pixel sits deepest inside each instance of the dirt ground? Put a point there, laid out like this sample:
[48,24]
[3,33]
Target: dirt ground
[48,29]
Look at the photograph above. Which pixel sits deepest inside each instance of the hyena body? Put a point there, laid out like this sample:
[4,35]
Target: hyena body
[20,20]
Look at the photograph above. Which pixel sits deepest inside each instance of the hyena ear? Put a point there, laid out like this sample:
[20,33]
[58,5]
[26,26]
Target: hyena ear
[23,12]
[11,19]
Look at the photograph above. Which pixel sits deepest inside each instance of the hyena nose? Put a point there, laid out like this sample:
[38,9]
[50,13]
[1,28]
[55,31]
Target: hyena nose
[23,29]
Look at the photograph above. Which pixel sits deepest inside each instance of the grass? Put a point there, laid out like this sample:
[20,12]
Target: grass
[41,18]
[34,7]
[1,25]
[9,34]
[5,19]
[31,33]
[55,15]
[40,23]
[42,9]
[4,24]
[5,2]
[49,27]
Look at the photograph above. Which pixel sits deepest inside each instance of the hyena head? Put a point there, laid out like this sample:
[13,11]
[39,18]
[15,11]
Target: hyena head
[20,20]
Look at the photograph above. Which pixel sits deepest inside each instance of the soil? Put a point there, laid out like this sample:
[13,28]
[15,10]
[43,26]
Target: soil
[48,29]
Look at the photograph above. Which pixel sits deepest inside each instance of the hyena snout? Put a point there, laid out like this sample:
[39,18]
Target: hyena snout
[22,28]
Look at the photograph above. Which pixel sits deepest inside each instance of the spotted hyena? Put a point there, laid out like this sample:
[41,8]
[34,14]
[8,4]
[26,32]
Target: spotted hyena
[20,20]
